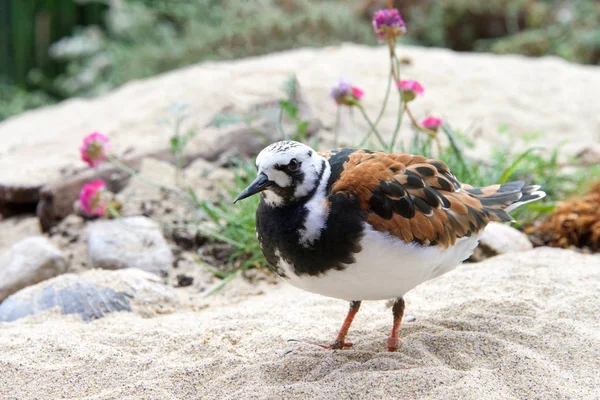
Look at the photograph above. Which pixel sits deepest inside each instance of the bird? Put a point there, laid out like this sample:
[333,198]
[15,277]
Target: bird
[360,225]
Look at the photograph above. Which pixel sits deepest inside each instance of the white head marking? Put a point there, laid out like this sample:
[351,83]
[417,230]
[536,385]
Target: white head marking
[273,160]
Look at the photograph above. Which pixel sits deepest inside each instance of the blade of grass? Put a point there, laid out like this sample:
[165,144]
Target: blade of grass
[510,170]
[383,107]
[396,63]
[542,208]
[222,238]
[216,272]
[218,286]
[366,117]
[457,151]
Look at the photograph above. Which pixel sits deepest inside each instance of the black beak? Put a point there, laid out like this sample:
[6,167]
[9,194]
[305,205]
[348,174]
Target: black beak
[258,185]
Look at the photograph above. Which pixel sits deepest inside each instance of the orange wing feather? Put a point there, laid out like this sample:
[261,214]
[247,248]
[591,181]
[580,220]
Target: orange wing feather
[415,198]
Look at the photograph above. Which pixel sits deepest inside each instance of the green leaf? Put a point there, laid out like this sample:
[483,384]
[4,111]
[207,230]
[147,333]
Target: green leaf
[301,131]
[290,108]
[220,285]
[510,170]
[175,142]
[289,86]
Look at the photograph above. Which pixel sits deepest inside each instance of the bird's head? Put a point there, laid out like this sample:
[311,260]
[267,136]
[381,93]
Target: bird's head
[288,172]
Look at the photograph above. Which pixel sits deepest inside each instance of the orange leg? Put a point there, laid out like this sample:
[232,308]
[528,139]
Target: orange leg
[340,342]
[398,311]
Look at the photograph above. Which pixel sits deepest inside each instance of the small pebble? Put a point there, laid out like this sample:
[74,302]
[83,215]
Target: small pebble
[184,280]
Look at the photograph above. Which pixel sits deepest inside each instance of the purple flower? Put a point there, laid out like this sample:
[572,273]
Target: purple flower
[344,93]
[388,24]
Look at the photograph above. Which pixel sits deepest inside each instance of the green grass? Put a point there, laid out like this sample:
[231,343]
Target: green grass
[234,224]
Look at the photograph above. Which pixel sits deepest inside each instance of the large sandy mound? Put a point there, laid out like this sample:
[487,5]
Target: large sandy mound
[476,92]
[525,325]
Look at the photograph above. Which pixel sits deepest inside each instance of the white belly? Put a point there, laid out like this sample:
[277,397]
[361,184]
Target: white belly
[385,268]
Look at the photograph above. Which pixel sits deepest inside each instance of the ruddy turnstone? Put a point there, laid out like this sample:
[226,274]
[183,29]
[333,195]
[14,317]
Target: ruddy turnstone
[367,225]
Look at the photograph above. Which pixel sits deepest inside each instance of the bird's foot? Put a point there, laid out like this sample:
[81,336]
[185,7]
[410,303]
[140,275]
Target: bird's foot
[393,343]
[337,345]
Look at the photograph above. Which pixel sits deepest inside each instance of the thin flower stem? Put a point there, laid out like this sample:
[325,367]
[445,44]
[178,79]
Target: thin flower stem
[280,124]
[420,127]
[397,128]
[417,124]
[449,133]
[373,127]
[178,153]
[142,178]
[383,107]
[336,128]
[396,73]
[113,211]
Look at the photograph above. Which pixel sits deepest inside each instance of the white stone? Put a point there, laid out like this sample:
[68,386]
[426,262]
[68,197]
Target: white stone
[132,242]
[499,238]
[28,262]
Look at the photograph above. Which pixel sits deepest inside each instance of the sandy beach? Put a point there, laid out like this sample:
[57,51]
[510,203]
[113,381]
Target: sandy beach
[516,326]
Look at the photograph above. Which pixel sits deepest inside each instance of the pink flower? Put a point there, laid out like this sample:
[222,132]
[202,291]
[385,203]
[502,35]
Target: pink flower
[94,149]
[432,123]
[357,93]
[412,86]
[90,198]
[410,90]
[388,24]
[345,94]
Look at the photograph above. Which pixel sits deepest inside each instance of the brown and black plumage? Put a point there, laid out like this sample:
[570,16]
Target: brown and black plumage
[418,199]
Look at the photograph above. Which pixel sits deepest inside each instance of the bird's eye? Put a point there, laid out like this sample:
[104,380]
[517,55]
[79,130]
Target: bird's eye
[293,165]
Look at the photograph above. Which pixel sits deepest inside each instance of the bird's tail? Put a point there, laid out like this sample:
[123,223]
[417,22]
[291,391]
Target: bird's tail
[499,200]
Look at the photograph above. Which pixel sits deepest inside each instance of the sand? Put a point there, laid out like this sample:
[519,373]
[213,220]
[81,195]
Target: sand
[477,93]
[520,326]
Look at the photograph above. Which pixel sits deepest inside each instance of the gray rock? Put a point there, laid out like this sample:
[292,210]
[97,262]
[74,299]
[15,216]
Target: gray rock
[589,155]
[132,242]
[498,239]
[28,262]
[92,295]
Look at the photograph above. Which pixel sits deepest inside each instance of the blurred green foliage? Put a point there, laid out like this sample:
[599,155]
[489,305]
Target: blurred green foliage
[142,38]
[569,29]
[29,27]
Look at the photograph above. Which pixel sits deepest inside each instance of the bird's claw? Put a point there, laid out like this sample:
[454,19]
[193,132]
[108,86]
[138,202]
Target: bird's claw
[334,346]
[393,343]
[337,346]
